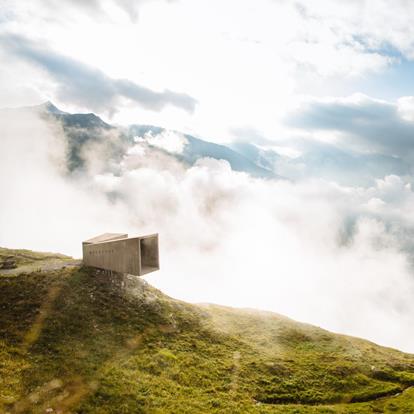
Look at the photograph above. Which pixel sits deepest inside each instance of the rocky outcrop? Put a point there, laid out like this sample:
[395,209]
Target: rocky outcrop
[8,263]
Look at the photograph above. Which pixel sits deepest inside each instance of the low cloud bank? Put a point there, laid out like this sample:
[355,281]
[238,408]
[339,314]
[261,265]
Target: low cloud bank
[335,256]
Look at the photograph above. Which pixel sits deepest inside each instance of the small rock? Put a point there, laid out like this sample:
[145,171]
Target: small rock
[8,263]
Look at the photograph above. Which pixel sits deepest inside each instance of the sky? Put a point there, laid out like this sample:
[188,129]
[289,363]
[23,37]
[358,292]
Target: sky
[327,84]
[203,67]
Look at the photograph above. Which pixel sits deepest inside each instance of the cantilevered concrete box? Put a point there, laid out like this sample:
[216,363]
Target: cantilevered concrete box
[120,253]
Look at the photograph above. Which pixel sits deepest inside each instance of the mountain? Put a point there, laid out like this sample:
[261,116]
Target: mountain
[76,340]
[267,159]
[196,148]
[347,167]
[325,160]
[84,129]
[317,159]
[81,130]
[50,108]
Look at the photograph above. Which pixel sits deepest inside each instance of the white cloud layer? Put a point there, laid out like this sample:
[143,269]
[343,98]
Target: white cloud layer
[339,257]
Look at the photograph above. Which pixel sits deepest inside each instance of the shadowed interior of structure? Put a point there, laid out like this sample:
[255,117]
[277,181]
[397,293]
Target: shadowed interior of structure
[149,254]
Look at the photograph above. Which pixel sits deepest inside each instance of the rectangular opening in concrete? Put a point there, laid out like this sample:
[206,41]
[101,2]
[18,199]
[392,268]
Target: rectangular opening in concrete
[149,254]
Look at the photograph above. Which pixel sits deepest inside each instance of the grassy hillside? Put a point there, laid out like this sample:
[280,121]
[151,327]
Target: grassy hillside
[16,261]
[74,340]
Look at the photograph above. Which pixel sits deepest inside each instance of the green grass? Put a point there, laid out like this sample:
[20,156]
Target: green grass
[29,261]
[76,341]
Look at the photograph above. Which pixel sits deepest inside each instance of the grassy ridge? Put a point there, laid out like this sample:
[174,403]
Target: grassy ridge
[29,261]
[75,340]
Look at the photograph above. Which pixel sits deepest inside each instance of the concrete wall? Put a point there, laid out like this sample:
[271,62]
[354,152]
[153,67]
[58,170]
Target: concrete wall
[107,237]
[136,255]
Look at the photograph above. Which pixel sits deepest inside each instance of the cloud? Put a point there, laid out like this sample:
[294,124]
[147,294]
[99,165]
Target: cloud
[91,8]
[340,257]
[271,51]
[37,192]
[359,122]
[329,253]
[170,141]
[89,87]
[250,135]
[322,142]
[383,27]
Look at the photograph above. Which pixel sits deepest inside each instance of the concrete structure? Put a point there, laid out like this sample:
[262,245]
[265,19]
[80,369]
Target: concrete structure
[119,253]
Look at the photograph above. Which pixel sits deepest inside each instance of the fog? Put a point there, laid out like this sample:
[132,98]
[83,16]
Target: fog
[334,256]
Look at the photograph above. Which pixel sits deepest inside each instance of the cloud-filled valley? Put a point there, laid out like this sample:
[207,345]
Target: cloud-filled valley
[335,255]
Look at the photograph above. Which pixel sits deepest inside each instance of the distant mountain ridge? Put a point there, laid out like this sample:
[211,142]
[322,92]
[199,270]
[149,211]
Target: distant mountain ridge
[316,159]
[197,148]
[82,128]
